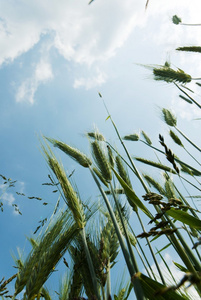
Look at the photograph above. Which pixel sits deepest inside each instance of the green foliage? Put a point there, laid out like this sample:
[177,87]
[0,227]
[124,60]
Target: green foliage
[93,244]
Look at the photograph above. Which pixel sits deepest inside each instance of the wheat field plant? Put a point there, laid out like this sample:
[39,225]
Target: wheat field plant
[92,238]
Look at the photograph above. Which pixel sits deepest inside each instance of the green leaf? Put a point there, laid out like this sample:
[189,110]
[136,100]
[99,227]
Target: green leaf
[155,164]
[185,218]
[164,248]
[108,118]
[151,287]
[180,267]
[134,200]
[186,99]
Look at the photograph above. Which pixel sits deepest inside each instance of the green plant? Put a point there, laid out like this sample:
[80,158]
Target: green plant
[93,251]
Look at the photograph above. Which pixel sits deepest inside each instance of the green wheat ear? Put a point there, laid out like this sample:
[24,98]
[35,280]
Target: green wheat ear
[132,137]
[170,75]
[190,49]
[96,136]
[176,20]
[101,161]
[169,118]
[147,139]
[74,153]
[175,138]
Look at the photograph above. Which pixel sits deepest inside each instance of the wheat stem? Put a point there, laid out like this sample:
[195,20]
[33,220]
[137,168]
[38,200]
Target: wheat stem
[135,281]
[90,264]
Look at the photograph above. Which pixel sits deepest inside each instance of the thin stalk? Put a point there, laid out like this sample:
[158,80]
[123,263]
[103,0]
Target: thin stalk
[190,183]
[90,264]
[145,256]
[144,264]
[135,281]
[185,24]
[187,249]
[167,267]
[180,251]
[198,254]
[127,153]
[151,250]
[125,231]
[187,95]
[187,139]
[184,200]
[121,157]
[177,160]
[185,259]
[187,253]
[192,156]
[108,292]
[103,292]
[192,211]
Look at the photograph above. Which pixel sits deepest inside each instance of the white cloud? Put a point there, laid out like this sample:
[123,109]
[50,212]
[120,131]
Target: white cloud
[82,33]
[27,89]
[88,82]
[85,34]
[8,198]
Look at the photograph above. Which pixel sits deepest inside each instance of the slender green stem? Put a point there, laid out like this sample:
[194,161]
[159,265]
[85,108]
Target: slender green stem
[145,256]
[103,292]
[125,232]
[135,280]
[194,145]
[185,259]
[176,159]
[183,254]
[130,159]
[192,156]
[196,250]
[90,264]
[165,263]
[187,95]
[184,200]
[127,153]
[144,264]
[151,250]
[121,157]
[188,251]
[185,24]
[108,293]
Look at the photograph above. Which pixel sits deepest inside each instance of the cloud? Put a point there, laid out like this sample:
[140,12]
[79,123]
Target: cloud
[96,80]
[8,198]
[84,34]
[42,73]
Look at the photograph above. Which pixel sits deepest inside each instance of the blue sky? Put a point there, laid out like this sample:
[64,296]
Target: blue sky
[54,59]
